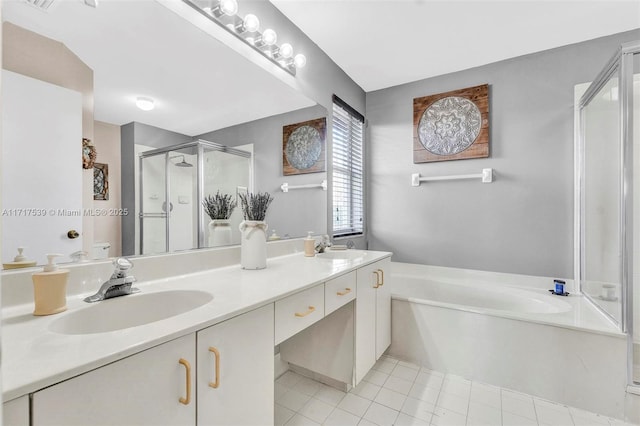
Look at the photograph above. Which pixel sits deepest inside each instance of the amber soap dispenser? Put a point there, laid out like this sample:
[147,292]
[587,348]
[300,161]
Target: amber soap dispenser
[50,288]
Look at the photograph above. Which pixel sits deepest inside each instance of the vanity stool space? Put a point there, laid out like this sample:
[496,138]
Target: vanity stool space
[221,372]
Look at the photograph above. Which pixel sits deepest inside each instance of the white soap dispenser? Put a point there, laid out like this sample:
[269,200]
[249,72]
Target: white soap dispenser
[20,261]
[50,288]
[309,245]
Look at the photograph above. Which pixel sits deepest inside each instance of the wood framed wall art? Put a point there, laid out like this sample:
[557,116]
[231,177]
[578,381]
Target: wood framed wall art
[452,125]
[303,147]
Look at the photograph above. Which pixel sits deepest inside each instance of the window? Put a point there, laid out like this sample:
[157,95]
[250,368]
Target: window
[348,170]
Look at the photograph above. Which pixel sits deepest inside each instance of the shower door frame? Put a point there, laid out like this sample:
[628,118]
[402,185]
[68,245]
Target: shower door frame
[622,64]
[200,145]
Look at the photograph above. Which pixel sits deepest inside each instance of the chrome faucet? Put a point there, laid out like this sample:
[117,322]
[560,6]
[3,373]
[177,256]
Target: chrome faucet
[118,285]
[323,244]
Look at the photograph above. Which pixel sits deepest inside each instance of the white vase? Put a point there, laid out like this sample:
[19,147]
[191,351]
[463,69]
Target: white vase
[219,232]
[253,245]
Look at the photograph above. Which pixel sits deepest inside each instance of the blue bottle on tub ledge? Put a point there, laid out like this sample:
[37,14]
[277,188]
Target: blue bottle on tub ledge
[559,288]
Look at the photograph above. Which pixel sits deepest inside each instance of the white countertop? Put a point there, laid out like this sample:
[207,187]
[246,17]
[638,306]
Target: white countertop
[34,357]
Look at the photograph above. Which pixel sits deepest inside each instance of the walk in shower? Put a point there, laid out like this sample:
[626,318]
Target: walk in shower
[173,181]
[608,204]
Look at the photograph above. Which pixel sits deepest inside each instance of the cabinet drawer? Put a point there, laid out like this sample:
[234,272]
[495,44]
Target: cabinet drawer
[298,311]
[339,291]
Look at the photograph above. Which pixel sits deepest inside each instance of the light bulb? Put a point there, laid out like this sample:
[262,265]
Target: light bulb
[145,104]
[251,23]
[229,7]
[300,60]
[286,50]
[269,37]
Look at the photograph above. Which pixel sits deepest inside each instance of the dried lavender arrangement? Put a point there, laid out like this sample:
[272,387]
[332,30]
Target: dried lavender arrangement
[219,206]
[254,206]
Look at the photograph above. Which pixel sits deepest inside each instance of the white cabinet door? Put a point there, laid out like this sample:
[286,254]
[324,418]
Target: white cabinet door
[144,389]
[373,316]
[383,307]
[236,370]
[16,412]
[365,348]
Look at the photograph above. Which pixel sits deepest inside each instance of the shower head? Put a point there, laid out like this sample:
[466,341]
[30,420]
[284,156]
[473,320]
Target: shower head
[183,163]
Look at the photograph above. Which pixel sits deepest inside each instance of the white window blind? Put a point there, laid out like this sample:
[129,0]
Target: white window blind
[348,170]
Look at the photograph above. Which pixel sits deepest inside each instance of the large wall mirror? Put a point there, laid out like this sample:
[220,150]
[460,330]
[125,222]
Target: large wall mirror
[74,72]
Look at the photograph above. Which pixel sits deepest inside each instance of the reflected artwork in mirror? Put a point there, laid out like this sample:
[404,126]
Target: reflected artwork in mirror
[82,50]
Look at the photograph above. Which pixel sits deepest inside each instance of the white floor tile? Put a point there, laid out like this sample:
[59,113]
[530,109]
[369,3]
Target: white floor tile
[316,410]
[381,415]
[399,385]
[409,365]
[552,414]
[485,394]
[581,417]
[391,399]
[300,420]
[385,365]
[456,386]
[406,420]
[424,393]
[329,395]
[341,418]
[481,414]
[307,386]
[365,422]
[443,417]
[367,390]
[433,372]
[405,373]
[389,358]
[282,415]
[376,377]
[289,379]
[419,409]
[354,404]
[509,419]
[518,404]
[453,402]
[429,379]
[279,391]
[294,400]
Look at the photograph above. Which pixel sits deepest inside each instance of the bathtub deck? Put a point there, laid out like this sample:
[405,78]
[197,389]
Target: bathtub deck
[400,393]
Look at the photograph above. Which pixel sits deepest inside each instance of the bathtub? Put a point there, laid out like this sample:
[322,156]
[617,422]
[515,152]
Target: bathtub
[508,330]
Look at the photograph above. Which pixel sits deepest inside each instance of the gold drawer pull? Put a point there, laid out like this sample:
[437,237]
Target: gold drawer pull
[217,355]
[377,272]
[346,291]
[304,314]
[382,275]
[187,366]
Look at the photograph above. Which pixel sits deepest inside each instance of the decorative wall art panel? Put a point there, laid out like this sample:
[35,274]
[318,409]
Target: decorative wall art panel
[303,147]
[100,181]
[452,125]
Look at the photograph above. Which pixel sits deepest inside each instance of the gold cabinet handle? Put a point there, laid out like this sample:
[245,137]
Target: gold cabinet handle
[346,291]
[382,276]
[217,355]
[187,366]
[377,272]
[304,314]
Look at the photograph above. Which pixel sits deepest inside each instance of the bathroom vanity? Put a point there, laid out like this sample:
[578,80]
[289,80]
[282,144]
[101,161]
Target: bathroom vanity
[212,363]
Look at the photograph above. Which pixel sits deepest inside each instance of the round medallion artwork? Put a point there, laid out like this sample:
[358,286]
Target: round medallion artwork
[449,126]
[304,147]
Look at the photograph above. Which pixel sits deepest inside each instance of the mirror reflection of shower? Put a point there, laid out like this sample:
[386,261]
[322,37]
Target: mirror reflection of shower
[180,176]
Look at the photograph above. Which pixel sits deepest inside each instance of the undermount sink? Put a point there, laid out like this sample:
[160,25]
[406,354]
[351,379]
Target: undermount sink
[129,311]
[342,254]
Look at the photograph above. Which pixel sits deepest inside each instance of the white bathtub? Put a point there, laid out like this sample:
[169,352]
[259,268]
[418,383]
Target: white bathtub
[509,331]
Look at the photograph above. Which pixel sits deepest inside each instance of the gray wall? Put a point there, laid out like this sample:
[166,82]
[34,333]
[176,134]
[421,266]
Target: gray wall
[523,221]
[141,134]
[296,211]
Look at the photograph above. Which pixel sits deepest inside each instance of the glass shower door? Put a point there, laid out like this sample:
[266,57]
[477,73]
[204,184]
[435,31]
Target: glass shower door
[152,204]
[601,275]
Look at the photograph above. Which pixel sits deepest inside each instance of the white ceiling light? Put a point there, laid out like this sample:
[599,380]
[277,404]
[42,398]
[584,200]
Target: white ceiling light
[269,37]
[286,50]
[251,23]
[145,104]
[228,7]
[300,60]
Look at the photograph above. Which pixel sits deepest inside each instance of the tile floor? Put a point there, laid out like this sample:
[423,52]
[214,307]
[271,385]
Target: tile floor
[398,393]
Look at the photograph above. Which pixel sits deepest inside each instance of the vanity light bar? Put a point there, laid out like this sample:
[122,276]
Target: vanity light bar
[224,13]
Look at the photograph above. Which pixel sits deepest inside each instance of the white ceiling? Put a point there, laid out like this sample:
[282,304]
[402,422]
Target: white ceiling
[140,48]
[382,43]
